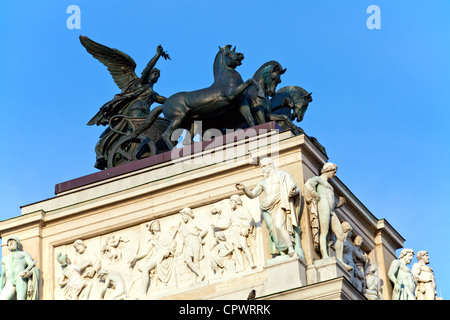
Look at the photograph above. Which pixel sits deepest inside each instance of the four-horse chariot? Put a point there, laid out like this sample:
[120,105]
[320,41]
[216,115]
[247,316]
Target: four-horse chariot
[134,132]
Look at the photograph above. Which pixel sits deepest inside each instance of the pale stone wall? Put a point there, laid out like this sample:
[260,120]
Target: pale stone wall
[136,239]
[122,206]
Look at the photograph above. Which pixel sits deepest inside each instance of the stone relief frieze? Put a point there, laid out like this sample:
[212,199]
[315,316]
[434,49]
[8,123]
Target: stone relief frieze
[111,248]
[113,281]
[157,256]
[193,233]
[237,228]
[163,256]
[221,255]
[78,270]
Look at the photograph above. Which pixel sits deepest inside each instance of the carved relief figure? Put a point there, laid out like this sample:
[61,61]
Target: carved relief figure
[424,277]
[221,251]
[373,283]
[83,258]
[114,281]
[223,220]
[193,234]
[280,208]
[401,277]
[320,195]
[161,248]
[110,249]
[242,227]
[19,275]
[73,284]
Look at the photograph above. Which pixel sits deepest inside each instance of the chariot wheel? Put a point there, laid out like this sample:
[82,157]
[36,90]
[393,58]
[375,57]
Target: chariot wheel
[129,149]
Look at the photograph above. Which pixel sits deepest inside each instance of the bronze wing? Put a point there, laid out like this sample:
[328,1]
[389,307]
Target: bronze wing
[120,65]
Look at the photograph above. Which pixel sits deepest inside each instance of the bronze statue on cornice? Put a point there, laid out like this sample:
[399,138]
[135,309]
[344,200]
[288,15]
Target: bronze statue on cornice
[135,131]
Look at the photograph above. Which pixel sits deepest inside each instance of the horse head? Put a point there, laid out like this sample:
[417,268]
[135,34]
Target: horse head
[299,109]
[232,59]
[292,101]
[227,58]
[269,76]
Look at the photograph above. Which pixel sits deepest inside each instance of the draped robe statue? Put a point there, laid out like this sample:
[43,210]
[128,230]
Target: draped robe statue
[280,208]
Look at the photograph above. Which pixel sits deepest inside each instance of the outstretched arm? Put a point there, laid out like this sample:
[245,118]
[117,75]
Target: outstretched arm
[160,99]
[250,193]
[133,261]
[151,64]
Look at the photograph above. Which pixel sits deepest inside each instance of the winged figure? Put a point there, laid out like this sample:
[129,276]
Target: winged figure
[133,102]
[137,92]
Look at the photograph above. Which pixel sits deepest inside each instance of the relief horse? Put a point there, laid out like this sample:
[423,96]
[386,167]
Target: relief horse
[224,96]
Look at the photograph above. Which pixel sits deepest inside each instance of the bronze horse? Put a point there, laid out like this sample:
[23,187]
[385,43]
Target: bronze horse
[292,101]
[266,103]
[223,96]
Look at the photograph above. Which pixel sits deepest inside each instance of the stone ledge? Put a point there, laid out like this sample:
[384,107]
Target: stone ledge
[333,289]
[163,157]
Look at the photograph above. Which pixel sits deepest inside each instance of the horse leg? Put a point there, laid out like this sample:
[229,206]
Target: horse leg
[244,109]
[260,115]
[174,110]
[167,135]
[239,89]
[191,133]
[285,119]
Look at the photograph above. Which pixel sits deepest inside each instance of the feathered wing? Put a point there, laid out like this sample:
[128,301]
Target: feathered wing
[120,65]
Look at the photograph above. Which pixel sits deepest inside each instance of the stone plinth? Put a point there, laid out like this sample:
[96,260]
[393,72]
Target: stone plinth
[334,289]
[113,213]
[283,273]
[329,268]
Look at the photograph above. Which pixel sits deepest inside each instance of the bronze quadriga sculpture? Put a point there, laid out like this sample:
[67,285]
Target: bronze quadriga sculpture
[135,131]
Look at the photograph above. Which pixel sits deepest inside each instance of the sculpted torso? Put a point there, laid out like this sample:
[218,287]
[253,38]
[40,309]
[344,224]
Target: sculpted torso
[326,193]
[15,263]
[271,187]
[404,276]
[190,229]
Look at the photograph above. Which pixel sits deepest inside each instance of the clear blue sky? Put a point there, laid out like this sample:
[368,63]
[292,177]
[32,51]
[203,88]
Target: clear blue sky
[381,96]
